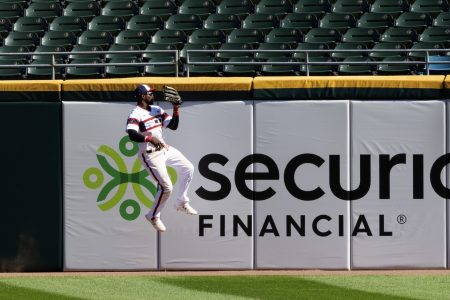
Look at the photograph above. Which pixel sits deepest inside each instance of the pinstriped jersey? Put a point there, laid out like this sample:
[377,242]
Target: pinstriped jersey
[148,122]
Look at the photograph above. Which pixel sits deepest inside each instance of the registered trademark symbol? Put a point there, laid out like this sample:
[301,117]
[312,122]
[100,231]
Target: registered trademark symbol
[401,219]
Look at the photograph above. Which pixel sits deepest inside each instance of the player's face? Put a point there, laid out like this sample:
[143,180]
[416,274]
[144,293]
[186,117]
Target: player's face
[149,97]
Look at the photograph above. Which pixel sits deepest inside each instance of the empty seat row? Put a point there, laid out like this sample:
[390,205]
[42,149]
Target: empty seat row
[203,8]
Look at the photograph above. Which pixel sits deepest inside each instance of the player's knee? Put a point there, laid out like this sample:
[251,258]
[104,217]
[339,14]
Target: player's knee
[167,188]
[189,170]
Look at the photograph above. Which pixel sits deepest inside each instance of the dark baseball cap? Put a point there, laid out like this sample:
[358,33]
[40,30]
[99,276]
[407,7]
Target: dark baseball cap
[143,89]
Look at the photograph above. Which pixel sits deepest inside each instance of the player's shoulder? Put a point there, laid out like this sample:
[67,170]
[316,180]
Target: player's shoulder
[156,110]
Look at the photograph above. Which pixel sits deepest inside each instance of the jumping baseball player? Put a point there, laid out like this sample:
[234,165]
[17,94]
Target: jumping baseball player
[144,126]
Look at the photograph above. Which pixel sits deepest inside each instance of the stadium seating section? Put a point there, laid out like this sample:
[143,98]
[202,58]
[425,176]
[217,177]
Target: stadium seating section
[237,37]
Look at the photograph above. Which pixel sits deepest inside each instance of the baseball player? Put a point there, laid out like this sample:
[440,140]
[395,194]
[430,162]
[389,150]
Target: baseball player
[144,126]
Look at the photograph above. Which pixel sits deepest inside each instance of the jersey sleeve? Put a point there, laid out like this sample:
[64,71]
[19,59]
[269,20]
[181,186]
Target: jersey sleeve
[133,122]
[166,118]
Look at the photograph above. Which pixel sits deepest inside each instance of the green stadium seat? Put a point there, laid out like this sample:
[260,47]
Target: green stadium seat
[65,23]
[133,37]
[318,7]
[11,73]
[81,1]
[311,46]
[11,11]
[272,46]
[377,21]
[441,68]
[433,7]
[242,50]
[164,66]
[116,47]
[416,21]
[48,11]
[389,66]
[118,71]
[107,23]
[159,47]
[149,24]
[288,69]
[240,8]
[169,36]
[5,27]
[356,8]
[367,36]
[74,72]
[213,70]
[300,21]
[124,10]
[44,72]
[25,39]
[96,38]
[344,47]
[42,57]
[184,51]
[46,1]
[21,2]
[237,70]
[186,22]
[320,70]
[354,69]
[59,39]
[323,36]
[436,35]
[241,35]
[201,8]
[212,37]
[276,7]
[391,7]
[290,36]
[399,35]
[380,55]
[337,21]
[93,56]
[14,49]
[164,9]
[31,24]
[423,45]
[224,22]
[262,22]
[85,10]
[442,20]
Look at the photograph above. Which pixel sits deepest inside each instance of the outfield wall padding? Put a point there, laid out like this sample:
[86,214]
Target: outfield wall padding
[231,118]
[31,182]
[349,87]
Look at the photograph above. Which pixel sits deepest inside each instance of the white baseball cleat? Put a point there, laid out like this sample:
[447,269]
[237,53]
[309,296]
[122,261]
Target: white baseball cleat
[157,223]
[186,208]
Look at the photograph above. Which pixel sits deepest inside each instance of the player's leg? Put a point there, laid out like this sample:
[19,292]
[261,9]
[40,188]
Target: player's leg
[185,172]
[155,163]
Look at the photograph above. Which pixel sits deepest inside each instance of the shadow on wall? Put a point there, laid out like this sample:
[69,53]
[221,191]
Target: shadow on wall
[27,255]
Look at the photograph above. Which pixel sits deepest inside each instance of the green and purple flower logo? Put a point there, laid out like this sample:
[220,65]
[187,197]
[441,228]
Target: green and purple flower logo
[119,178]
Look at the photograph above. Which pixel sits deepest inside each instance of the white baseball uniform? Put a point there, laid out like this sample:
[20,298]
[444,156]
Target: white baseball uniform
[151,122]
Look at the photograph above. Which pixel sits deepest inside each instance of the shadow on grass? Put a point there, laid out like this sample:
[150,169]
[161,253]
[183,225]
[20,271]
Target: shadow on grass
[272,287]
[12,292]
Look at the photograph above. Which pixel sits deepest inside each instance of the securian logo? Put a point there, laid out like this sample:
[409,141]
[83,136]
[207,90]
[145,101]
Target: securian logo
[94,178]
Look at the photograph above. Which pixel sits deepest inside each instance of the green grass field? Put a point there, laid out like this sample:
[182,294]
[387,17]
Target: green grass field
[226,287]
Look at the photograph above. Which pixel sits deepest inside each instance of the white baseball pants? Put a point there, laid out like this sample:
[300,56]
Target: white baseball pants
[156,163]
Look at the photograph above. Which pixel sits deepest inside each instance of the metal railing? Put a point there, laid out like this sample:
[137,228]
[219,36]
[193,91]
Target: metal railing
[307,63]
[54,63]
